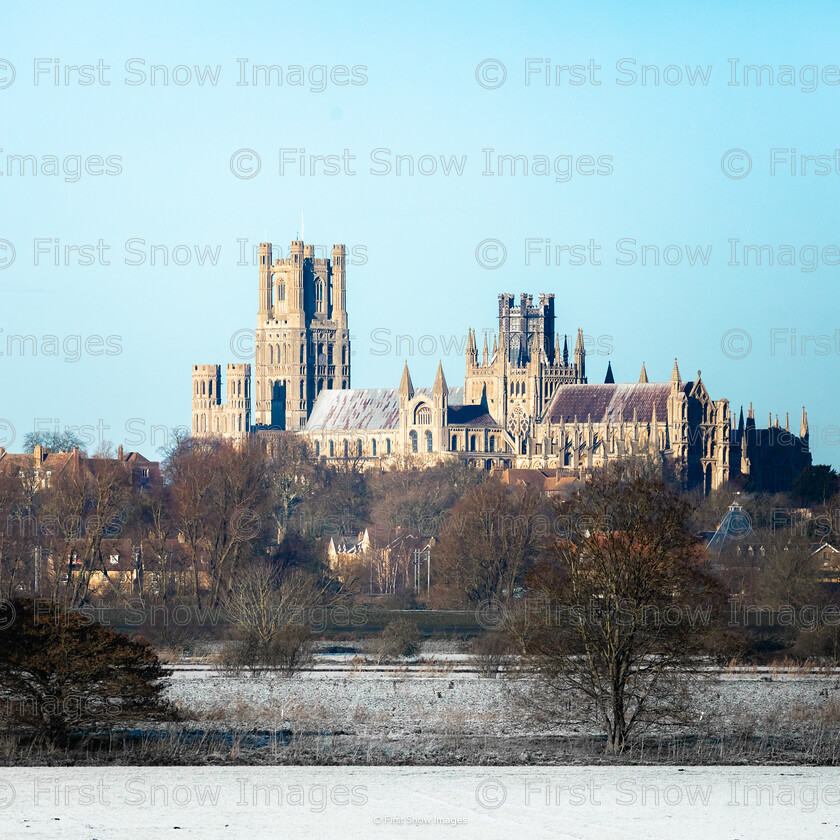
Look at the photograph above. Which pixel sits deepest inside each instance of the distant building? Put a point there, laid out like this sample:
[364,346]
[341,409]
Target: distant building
[526,402]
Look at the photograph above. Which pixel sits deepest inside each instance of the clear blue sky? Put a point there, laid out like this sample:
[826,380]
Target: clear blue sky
[662,151]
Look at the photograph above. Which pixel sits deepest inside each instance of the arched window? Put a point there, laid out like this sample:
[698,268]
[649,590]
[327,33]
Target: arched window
[472,443]
[301,354]
[319,294]
[332,449]
[282,291]
[454,443]
[343,355]
[387,446]
[373,448]
[413,436]
[329,384]
[428,441]
[492,443]
[271,354]
[329,354]
[203,389]
[317,449]
[301,389]
[423,415]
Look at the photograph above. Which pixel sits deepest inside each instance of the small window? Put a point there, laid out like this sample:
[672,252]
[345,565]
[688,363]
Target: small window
[373,448]
[428,441]
[317,449]
[413,436]
[387,446]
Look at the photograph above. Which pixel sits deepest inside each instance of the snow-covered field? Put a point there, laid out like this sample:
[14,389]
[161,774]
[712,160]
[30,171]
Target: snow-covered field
[432,700]
[586,803]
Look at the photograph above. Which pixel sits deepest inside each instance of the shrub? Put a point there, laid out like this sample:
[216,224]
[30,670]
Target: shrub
[490,651]
[400,638]
[59,671]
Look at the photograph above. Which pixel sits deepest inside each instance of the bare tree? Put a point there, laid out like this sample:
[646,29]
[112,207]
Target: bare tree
[628,603]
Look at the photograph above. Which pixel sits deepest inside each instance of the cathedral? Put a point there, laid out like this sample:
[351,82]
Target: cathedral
[526,401]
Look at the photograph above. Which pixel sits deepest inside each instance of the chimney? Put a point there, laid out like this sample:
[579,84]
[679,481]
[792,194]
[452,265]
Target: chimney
[40,453]
[120,452]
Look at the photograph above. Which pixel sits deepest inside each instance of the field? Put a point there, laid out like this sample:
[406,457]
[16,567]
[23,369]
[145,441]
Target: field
[607,803]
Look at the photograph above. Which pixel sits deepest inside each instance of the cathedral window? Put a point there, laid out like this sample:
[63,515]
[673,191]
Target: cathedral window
[429,442]
[423,415]
[413,436]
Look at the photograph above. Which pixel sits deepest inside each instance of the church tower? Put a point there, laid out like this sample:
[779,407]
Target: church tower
[302,339]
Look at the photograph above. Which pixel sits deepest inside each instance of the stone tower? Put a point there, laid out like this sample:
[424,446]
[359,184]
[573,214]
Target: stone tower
[238,405]
[206,399]
[302,341]
[520,376]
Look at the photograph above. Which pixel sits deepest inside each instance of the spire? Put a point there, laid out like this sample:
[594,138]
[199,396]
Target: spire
[675,374]
[495,347]
[566,350]
[643,380]
[406,388]
[440,380]
[484,352]
[787,421]
[609,379]
[803,426]
[750,413]
[741,421]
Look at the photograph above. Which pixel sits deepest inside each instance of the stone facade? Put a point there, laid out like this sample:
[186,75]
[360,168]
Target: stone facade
[526,403]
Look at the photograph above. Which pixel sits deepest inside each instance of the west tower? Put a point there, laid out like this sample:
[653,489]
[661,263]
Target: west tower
[302,342]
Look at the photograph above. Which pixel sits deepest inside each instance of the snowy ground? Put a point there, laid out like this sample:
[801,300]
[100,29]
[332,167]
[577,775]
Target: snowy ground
[585,803]
[438,700]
